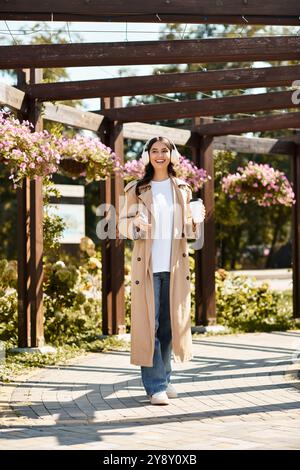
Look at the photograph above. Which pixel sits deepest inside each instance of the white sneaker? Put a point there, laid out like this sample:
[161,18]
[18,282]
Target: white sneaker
[159,398]
[171,392]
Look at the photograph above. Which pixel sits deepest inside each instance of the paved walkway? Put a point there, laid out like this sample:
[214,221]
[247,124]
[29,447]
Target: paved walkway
[239,392]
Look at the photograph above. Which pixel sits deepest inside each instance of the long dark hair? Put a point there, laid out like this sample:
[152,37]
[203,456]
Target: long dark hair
[149,169]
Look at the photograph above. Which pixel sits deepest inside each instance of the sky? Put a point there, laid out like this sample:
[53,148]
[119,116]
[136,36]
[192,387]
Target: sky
[90,32]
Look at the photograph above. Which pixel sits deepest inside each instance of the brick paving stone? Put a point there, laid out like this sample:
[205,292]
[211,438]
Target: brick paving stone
[239,392]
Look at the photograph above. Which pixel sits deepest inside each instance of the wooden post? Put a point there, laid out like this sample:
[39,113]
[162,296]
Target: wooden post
[23,237]
[205,259]
[113,291]
[30,243]
[296,232]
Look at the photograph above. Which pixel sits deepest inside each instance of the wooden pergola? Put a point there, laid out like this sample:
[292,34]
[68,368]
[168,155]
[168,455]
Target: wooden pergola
[113,122]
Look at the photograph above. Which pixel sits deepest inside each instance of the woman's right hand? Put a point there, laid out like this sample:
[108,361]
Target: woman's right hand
[142,226]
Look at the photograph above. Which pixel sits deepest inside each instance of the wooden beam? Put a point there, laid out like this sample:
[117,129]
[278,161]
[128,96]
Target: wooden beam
[270,122]
[136,7]
[17,100]
[142,131]
[151,52]
[296,232]
[30,245]
[184,18]
[12,97]
[205,259]
[254,145]
[166,83]
[204,107]
[112,249]
[72,117]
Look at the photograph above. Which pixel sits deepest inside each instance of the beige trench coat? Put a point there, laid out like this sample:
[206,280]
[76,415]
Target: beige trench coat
[142,289]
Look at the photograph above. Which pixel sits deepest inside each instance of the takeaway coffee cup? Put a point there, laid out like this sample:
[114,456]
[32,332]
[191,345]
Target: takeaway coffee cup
[196,206]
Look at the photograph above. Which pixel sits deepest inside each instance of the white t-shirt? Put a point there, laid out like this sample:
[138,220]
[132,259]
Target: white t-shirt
[163,211]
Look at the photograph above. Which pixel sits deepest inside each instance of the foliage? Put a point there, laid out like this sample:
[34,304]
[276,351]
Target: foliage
[260,183]
[8,300]
[248,235]
[72,300]
[53,225]
[8,315]
[243,306]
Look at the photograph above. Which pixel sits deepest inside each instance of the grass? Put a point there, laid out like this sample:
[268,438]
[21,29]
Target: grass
[16,364]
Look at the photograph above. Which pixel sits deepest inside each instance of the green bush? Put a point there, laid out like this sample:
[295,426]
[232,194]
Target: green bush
[245,307]
[8,301]
[72,301]
[9,316]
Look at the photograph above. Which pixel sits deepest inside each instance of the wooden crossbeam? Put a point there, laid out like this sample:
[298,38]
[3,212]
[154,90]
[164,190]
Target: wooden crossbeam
[166,83]
[152,18]
[72,117]
[183,137]
[143,131]
[12,97]
[270,122]
[254,145]
[204,107]
[136,7]
[151,52]
[16,100]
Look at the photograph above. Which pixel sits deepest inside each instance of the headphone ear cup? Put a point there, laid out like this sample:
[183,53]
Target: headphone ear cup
[145,157]
[175,155]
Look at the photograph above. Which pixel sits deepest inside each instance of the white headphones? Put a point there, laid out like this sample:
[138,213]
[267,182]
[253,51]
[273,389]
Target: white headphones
[174,153]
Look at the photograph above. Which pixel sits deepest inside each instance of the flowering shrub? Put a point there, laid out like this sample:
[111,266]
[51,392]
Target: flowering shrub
[72,300]
[193,175]
[88,157]
[8,300]
[260,183]
[133,169]
[243,306]
[28,154]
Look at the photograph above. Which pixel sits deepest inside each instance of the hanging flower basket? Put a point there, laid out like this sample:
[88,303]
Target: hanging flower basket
[27,154]
[260,184]
[88,157]
[72,168]
[4,160]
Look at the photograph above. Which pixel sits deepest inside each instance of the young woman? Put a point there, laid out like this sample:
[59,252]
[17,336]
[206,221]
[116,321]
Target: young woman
[157,215]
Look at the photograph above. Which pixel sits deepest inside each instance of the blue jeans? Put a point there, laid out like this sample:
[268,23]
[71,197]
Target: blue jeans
[156,378]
